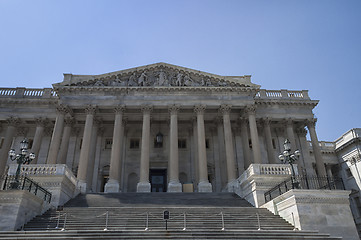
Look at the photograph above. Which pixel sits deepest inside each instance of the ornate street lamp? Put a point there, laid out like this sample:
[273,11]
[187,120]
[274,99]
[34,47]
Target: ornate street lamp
[22,158]
[287,157]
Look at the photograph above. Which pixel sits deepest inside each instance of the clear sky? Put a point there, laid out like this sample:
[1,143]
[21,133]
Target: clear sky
[313,45]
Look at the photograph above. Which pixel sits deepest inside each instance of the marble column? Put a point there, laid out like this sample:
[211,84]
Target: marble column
[256,149]
[320,166]
[174,185]
[291,134]
[222,152]
[194,148]
[113,184]
[203,184]
[39,132]
[9,135]
[245,143]
[268,135]
[228,143]
[91,161]
[144,185]
[65,141]
[85,148]
[57,133]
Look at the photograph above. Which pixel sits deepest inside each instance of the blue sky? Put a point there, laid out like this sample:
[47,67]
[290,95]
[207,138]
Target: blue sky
[314,45]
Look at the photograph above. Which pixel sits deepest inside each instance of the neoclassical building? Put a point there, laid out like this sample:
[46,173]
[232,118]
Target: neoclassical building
[159,127]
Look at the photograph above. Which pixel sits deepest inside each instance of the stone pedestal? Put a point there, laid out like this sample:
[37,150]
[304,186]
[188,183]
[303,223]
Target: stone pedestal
[143,187]
[112,186]
[326,211]
[204,187]
[17,207]
[56,178]
[259,178]
[233,186]
[174,187]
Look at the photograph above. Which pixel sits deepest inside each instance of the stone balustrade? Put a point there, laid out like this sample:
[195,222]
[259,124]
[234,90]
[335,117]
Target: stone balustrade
[27,93]
[279,94]
[44,169]
[268,169]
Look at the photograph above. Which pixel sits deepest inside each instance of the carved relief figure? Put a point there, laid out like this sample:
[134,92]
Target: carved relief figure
[188,81]
[132,80]
[162,80]
[178,82]
[98,83]
[142,80]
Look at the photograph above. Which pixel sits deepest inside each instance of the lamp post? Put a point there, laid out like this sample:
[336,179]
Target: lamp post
[20,158]
[287,157]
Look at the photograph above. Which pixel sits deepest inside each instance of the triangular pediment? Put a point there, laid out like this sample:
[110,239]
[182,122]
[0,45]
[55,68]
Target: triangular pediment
[157,75]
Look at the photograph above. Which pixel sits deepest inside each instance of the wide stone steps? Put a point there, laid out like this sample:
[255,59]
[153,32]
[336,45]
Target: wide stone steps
[140,216]
[156,235]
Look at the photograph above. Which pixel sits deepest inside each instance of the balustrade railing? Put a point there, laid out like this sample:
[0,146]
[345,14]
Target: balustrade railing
[278,94]
[25,183]
[28,92]
[304,182]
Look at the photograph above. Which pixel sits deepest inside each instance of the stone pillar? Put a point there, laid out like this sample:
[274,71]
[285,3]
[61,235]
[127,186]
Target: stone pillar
[321,171]
[245,142]
[329,170]
[91,161]
[144,185]
[194,146]
[203,184]
[65,141]
[85,148]
[113,184]
[304,163]
[291,134]
[222,171]
[39,132]
[56,137]
[228,142]
[174,185]
[267,132]
[251,110]
[9,135]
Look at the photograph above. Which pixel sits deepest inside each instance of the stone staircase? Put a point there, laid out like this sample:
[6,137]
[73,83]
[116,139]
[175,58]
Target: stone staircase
[140,216]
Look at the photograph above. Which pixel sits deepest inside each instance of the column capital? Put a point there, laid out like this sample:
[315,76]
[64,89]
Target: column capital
[199,109]
[119,109]
[90,109]
[250,109]
[225,109]
[69,121]
[42,122]
[288,121]
[173,109]
[266,121]
[63,109]
[311,122]
[301,132]
[13,121]
[147,109]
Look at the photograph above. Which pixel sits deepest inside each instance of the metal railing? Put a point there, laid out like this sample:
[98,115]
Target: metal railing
[304,182]
[25,183]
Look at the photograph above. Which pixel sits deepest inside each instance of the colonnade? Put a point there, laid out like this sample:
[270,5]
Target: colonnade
[62,130]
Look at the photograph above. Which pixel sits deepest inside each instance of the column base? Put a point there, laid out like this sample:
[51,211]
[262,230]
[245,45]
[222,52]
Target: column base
[204,187]
[143,187]
[112,186]
[174,187]
[233,186]
[82,186]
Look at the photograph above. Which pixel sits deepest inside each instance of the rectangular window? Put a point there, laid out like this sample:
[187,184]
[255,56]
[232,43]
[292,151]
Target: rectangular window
[273,143]
[250,143]
[81,143]
[1,142]
[207,144]
[182,143]
[348,172]
[30,145]
[108,143]
[134,143]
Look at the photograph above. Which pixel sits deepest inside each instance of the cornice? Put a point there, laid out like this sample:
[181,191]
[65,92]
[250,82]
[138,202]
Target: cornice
[26,101]
[301,102]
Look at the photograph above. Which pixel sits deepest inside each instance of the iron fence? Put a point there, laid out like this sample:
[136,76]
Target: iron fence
[304,182]
[25,183]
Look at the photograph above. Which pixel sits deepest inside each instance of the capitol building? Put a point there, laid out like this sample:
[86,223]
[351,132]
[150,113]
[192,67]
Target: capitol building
[166,128]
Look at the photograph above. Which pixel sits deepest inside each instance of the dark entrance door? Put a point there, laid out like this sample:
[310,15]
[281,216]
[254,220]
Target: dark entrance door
[158,180]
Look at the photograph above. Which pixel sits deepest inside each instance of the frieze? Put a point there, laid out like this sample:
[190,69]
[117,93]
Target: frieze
[160,76]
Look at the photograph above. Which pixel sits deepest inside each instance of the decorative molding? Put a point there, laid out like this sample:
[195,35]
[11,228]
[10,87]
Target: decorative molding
[225,109]
[199,109]
[311,122]
[147,109]
[13,121]
[250,109]
[41,122]
[90,109]
[119,109]
[173,109]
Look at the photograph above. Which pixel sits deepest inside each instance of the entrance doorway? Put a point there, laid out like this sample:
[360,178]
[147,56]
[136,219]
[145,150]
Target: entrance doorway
[158,180]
